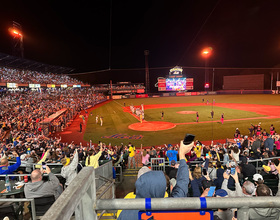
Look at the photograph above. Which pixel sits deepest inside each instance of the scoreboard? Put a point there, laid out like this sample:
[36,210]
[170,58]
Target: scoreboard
[175,81]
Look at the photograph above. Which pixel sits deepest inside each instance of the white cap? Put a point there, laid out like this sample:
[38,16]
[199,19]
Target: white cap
[257,176]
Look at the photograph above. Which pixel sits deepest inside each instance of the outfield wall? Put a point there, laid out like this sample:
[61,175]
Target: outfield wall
[172,94]
[241,82]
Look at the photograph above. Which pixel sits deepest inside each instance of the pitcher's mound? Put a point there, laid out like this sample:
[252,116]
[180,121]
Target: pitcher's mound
[152,126]
[186,112]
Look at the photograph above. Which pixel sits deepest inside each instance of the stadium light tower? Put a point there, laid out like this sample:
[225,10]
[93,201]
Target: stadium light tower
[206,53]
[16,32]
[146,53]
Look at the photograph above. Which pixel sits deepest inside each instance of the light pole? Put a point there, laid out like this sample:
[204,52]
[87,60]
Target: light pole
[146,53]
[206,53]
[16,32]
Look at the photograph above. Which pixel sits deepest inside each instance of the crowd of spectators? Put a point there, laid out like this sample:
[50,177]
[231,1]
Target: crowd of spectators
[11,75]
[131,86]
[227,167]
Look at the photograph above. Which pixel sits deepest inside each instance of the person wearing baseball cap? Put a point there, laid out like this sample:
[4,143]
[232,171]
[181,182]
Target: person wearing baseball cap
[222,213]
[171,171]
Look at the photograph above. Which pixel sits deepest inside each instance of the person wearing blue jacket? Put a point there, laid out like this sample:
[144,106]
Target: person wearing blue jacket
[5,168]
[153,184]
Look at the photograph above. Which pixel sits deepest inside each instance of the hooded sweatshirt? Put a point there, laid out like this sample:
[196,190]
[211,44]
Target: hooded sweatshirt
[264,213]
[153,185]
[41,188]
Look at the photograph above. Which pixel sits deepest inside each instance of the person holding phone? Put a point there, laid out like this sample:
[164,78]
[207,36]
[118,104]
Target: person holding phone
[39,188]
[245,191]
[153,184]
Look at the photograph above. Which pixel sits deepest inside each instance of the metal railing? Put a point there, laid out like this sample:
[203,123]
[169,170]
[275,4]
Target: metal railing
[156,161]
[80,197]
[33,212]
[158,164]
[81,194]
[104,171]
[191,203]
[119,174]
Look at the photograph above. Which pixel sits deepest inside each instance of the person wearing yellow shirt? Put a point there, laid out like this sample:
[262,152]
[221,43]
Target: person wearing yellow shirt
[197,150]
[92,158]
[131,156]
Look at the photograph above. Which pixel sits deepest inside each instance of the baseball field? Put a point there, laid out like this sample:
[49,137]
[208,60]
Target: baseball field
[122,126]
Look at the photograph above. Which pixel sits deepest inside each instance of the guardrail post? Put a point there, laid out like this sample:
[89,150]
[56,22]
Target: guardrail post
[33,210]
[85,211]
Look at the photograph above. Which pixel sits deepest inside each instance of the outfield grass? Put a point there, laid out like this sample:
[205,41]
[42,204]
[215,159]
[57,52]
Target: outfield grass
[171,115]
[116,121]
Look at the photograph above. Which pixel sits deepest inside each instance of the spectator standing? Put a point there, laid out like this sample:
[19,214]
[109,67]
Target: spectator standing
[171,154]
[256,145]
[131,156]
[235,153]
[272,130]
[172,170]
[246,191]
[69,170]
[153,184]
[277,144]
[92,159]
[145,157]
[269,143]
[248,169]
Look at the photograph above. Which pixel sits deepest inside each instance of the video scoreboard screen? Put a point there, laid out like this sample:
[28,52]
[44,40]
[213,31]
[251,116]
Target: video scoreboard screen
[175,84]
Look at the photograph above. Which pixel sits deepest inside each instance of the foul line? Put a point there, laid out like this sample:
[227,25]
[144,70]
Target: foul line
[237,119]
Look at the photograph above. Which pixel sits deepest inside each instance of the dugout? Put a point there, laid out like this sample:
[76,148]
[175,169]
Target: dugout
[48,124]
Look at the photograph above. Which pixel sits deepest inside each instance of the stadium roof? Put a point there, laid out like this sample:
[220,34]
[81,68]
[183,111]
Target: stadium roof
[20,63]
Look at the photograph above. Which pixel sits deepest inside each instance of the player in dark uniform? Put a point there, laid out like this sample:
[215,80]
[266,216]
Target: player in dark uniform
[197,116]
[212,114]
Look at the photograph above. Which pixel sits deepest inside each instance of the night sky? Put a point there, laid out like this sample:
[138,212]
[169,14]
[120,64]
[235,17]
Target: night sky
[76,34]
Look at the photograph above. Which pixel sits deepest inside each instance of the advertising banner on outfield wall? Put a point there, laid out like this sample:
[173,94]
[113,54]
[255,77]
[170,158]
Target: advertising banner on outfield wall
[142,96]
[117,97]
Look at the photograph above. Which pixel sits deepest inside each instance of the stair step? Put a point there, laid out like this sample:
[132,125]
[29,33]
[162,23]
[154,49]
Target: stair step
[108,215]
